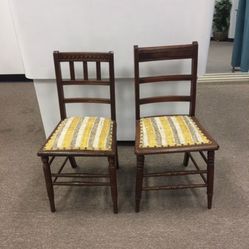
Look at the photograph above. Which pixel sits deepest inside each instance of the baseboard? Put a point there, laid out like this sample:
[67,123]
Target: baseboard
[14,78]
[236,77]
[227,40]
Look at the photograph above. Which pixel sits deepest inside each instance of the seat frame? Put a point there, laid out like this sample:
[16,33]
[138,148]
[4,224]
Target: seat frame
[48,157]
[206,151]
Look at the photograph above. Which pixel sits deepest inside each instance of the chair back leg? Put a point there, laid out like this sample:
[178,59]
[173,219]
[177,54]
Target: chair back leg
[139,181]
[186,159]
[113,182]
[73,162]
[116,158]
[48,180]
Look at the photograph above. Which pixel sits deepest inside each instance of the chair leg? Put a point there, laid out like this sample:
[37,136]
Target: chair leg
[139,181]
[72,162]
[48,180]
[210,177]
[116,158]
[113,182]
[186,159]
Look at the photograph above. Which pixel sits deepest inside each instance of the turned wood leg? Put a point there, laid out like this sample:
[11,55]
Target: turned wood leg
[72,162]
[113,182]
[210,177]
[139,181]
[186,159]
[48,180]
[116,158]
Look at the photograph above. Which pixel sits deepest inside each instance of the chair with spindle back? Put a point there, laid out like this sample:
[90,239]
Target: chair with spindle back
[171,133]
[80,136]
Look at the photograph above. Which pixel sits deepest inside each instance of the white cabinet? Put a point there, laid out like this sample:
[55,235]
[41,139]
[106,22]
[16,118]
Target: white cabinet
[96,25]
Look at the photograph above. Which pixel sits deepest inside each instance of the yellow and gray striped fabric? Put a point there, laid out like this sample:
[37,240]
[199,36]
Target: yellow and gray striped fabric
[169,131]
[82,133]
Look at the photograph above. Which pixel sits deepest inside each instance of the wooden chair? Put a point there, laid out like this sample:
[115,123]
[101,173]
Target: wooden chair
[171,133]
[82,136]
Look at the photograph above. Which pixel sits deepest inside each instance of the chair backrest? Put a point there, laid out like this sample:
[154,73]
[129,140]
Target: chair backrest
[83,58]
[149,54]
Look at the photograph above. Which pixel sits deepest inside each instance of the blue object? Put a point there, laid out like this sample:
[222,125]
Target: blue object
[240,56]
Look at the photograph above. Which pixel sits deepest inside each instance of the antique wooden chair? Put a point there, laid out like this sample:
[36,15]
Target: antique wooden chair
[171,133]
[79,136]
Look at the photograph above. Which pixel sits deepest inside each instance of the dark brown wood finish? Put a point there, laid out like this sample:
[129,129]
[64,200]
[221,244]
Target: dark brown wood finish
[48,181]
[84,58]
[48,157]
[210,177]
[98,70]
[85,70]
[150,100]
[166,52]
[87,82]
[87,100]
[194,79]
[139,181]
[165,78]
[149,54]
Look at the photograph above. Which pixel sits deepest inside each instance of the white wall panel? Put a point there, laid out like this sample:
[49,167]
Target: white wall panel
[104,25]
[10,56]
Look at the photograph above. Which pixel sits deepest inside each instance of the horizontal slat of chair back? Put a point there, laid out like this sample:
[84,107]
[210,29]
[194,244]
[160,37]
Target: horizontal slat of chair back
[158,99]
[98,58]
[149,54]
[184,77]
[87,100]
[86,82]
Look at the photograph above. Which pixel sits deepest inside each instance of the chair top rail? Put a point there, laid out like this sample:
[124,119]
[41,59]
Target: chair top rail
[83,56]
[165,53]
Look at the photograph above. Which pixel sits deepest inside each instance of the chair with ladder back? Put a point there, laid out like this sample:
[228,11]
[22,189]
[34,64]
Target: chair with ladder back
[171,133]
[80,136]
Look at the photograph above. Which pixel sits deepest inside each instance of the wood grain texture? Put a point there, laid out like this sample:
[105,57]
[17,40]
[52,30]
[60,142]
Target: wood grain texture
[48,157]
[149,54]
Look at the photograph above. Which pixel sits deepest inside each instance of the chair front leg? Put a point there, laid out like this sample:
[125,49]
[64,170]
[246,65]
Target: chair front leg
[48,180]
[72,162]
[113,183]
[139,181]
[210,177]
[116,158]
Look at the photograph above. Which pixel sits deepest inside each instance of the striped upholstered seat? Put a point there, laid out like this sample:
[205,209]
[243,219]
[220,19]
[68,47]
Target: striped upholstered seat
[82,133]
[170,131]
